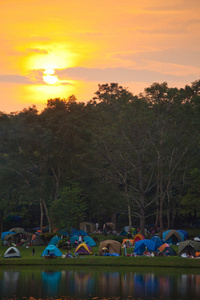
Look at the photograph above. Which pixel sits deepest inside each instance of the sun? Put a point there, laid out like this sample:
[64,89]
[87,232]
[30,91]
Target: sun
[49,76]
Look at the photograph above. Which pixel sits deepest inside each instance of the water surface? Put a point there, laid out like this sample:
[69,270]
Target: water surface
[99,283]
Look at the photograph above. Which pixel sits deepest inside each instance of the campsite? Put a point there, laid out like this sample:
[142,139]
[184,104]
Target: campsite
[93,257]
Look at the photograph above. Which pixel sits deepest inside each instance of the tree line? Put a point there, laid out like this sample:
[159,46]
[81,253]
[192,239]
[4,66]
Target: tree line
[134,158]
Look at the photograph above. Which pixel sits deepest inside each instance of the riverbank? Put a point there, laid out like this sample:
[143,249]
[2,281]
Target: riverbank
[28,259]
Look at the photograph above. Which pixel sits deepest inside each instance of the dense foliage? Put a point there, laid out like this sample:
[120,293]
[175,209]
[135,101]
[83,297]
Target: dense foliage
[119,157]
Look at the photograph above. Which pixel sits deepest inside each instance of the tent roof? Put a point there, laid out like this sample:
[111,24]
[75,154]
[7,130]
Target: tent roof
[141,245]
[189,243]
[12,252]
[83,248]
[112,245]
[169,233]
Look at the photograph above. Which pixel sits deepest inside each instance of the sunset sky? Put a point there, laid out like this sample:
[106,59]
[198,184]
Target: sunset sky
[57,48]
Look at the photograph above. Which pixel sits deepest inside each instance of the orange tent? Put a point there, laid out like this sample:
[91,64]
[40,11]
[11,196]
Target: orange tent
[129,242]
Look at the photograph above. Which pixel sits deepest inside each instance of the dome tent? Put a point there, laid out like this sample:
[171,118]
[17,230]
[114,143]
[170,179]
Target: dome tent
[112,246]
[140,246]
[83,248]
[12,252]
[51,250]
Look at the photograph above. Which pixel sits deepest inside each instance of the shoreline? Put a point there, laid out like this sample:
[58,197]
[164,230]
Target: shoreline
[170,262]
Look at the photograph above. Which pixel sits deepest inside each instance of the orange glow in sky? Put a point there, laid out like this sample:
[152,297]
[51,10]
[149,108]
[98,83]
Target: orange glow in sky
[57,48]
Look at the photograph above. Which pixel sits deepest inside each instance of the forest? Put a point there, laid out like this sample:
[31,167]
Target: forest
[133,160]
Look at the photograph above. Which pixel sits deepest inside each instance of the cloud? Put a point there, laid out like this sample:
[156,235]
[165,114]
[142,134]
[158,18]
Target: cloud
[120,75]
[15,79]
[39,51]
[188,57]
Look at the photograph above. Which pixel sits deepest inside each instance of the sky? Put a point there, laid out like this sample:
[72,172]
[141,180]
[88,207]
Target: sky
[56,48]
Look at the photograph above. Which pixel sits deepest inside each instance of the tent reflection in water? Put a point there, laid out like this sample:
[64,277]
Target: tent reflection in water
[112,246]
[12,252]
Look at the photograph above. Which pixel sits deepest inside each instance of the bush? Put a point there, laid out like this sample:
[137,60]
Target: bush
[64,243]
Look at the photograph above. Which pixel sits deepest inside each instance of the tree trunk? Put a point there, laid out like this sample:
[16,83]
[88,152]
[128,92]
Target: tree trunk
[141,200]
[41,216]
[47,214]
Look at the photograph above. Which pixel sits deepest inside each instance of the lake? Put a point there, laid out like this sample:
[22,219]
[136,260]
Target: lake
[99,283]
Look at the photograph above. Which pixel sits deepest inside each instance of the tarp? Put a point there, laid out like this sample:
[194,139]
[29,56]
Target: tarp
[172,236]
[18,230]
[89,241]
[188,246]
[6,233]
[83,248]
[12,252]
[78,232]
[112,246]
[157,240]
[64,232]
[141,246]
[51,250]
[54,241]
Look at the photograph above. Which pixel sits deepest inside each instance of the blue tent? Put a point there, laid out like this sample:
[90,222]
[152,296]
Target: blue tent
[5,233]
[141,246]
[73,239]
[54,241]
[185,234]
[172,237]
[157,240]
[89,241]
[51,250]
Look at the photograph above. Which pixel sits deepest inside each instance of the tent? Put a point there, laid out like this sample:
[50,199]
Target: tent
[185,234]
[83,248]
[166,250]
[157,240]
[188,246]
[138,237]
[54,241]
[12,252]
[112,246]
[51,250]
[172,237]
[129,242]
[73,239]
[87,227]
[141,246]
[89,241]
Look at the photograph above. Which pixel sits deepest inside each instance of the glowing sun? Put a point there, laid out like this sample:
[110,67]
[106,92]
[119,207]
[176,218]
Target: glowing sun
[49,76]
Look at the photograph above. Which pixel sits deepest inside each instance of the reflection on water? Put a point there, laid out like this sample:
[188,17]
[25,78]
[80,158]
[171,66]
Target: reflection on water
[98,283]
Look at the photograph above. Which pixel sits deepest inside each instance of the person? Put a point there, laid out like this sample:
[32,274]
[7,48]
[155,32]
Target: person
[68,254]
[97,227]
[33,238]
[80,239]
[33,251]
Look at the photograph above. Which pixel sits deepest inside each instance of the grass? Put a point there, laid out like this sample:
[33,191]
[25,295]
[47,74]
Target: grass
[96,260]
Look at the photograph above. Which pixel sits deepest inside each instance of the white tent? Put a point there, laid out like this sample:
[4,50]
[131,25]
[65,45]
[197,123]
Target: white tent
[12,252]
